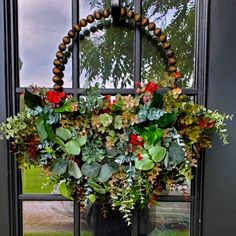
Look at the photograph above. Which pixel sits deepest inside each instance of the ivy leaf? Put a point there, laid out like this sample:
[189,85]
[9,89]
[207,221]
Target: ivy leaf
[91,170]
[63,133]
[105,173]
[157,152]
[167,120]
[157,100]
[32,100]
[176,153]
[40,125]
[74,170]
[59,167]
[72,147]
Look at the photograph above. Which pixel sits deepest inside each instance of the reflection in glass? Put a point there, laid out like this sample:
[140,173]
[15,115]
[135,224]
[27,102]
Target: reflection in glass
[42,25]
[34,180]
[167,219]
[48,218]
[177,20]
[100,220]
[107,55]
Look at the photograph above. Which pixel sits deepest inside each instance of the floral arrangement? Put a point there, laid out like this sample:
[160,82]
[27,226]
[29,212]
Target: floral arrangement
[124,150]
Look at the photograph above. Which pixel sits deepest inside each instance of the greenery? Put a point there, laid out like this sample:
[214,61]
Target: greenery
[83,233]
[104,149]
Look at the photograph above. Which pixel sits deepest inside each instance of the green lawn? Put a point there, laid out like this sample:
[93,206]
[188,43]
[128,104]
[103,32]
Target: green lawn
[33,179]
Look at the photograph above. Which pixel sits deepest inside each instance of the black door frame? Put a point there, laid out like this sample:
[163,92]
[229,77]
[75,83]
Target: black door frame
[10,194]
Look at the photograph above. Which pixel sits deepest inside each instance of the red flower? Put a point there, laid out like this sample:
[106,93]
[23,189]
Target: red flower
[55,97]
[139,156]
[201,123]
[151,87]
[136,140]
[177,75]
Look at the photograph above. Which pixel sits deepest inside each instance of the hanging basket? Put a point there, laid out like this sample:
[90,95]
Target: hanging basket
[123,151]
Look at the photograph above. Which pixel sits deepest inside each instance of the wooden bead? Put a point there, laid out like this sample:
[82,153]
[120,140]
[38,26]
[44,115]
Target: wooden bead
[67,53]
[86,33]
[77,27]
[130,14]
[71,34]
[122,11]
[83,22]
[172,61]
[162,38]
[64,60]
[60,82]
[62,67]
[137,17]
[55,79]
[90,18]
[66,40]
[157,32]
[57,62]
[62,47]
[56,71]
[93,29]
[170,53]
[172,69]
[57,87]
[144,22]
[151,26]
[59,54]
[61,75]
[100,25]
[166,45]
[106,13]
[81,36]
[97,15]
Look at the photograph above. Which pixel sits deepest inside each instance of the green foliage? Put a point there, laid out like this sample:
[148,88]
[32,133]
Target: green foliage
[59,166]
[157,153]
[152,134]
[72,147]
[176,153]
[91,170]
[63,133]
[74,170]
[32,100]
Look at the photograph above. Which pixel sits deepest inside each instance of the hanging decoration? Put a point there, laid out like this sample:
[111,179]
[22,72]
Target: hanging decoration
[122,150]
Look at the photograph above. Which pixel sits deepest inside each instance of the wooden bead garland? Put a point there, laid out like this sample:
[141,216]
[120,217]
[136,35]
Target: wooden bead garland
[64,53]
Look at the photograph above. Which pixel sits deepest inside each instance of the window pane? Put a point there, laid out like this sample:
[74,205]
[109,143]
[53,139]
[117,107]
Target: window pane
[101,221]
[48,218]
[34,181]
[42,25]
[107,55]
[177,20]
[167,219]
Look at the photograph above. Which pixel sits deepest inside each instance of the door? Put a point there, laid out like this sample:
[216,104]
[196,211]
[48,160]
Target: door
[31,32]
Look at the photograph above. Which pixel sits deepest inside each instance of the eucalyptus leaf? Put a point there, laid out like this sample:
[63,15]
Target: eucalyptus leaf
[91,170]
[106,172]
[59,167]
[176,153]
[74,170]
[82,140]
[63,133]
[144,164]
[157,152]
[72,147]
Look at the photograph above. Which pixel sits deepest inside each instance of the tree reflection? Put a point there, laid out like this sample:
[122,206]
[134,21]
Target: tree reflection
[107,56]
